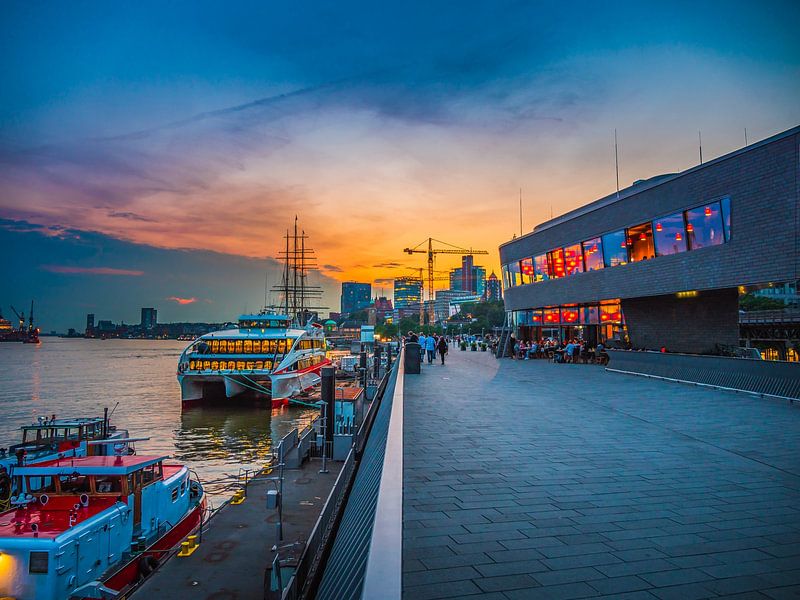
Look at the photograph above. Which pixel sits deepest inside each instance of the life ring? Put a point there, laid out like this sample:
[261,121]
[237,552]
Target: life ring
[147,564]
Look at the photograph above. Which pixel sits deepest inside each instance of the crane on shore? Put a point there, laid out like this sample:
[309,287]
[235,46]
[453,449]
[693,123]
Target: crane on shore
[432,252]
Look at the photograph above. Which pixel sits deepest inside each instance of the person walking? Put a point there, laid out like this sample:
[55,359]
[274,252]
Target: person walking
[430,346]
[422,347]
[441,346]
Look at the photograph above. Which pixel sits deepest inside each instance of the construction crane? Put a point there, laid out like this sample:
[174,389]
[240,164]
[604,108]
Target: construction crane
[422,287]
[432,252]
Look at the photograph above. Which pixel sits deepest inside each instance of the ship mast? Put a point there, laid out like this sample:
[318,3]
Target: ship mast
[299,298]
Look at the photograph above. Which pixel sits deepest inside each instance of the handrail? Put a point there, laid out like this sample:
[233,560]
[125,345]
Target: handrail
[383,576]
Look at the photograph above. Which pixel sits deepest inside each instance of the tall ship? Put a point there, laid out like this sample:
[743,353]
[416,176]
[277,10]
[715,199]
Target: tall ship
[27,334]
[272,355]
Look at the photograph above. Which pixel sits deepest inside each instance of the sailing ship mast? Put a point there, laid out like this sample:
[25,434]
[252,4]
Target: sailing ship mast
[299,298]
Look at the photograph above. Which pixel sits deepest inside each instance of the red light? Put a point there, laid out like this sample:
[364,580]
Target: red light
[604,317]
[622,245]
[643,237]
[690,228]
[659,227]
[678,237]
[629,242]
[708,211]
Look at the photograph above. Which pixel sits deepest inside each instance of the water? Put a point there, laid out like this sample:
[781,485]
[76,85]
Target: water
[77,378]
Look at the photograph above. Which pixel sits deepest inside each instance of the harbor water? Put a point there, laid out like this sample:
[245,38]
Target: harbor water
[77,377]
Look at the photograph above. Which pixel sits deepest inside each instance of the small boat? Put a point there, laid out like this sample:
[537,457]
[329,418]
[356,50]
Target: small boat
[50,438]
[94,526]
[266,357]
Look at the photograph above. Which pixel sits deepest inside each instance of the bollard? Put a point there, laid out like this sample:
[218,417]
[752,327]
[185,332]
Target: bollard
[377,362]
[413,358]
[328,396]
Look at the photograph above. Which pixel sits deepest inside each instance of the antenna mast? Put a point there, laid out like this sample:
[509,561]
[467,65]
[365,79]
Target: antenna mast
[616,160]
[700,143]
[520,212]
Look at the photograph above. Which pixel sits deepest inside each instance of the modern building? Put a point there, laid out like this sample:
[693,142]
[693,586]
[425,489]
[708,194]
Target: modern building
[149,319]
[407,292]
[494,289]
[474,283]
[662,262]
[89,325]
[355,296]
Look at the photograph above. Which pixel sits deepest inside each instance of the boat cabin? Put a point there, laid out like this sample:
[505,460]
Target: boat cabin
[57,435]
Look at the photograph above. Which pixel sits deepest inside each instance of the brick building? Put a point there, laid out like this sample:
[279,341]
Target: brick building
[664,260]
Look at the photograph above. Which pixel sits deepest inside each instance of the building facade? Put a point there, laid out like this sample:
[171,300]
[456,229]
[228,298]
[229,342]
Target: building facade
[149,319]
[494,289]
[355,296]
[407,292]
[474,284]
[663,262]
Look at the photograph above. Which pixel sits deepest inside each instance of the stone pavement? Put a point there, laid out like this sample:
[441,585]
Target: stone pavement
[526,480]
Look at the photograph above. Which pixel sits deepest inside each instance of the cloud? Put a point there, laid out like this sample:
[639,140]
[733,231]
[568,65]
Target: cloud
[383,280]
[130,216]
[332,268]
[389,265]
[182,301]
[66,270]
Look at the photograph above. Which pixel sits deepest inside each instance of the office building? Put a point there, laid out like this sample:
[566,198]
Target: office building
[494,291]
[407,292]
[149,319]
[355,296]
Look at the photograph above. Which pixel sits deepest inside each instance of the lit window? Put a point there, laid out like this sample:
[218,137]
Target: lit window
[240,365]
[670,235]
[248,346]
[615,249]
[249,365]
[259,365]
[514,274]
[593,254]
[726,216]
[214,365]
[214,346]
[640,241]
[231,365]
[704,226]
[256,346]
[573,259]
[591,315]
[526,270]
[610,313]
[551,316]
[555,259]
[238,346]
[570,315]
[223,346]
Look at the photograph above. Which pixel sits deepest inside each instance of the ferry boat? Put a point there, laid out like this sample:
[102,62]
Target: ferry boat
[51,438]
[94,526]
[266,357]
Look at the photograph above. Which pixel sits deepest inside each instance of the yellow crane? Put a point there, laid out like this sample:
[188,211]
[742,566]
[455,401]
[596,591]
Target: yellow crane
[432,252]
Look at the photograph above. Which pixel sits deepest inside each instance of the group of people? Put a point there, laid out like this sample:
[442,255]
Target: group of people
[571,351]
[429,345]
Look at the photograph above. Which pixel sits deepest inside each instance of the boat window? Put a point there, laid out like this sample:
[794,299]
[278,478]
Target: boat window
[281,347]
[74,484]
[151,473]
[259,364]
[214,346]
[223,346]
[248,346]
[40,485]
[206,364]
[174,493]
[240,365]
[268,364]
[231,365]
[39,562]
[107,484]
[238,346]
[191,365]
[249,365]
[214,365]
[256,346]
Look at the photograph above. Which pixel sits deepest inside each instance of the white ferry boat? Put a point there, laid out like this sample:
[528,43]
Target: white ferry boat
[266,357]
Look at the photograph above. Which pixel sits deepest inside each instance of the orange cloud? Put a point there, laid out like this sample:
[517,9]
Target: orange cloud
[182,301]
[91,270]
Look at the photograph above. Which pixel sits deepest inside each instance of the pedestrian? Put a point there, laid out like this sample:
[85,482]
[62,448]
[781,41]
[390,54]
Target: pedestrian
[430,346]
[442,347]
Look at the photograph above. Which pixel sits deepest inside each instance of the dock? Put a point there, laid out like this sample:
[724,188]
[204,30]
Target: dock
[528,479]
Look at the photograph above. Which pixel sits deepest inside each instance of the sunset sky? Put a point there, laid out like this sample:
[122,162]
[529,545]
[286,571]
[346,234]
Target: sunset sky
[152,153]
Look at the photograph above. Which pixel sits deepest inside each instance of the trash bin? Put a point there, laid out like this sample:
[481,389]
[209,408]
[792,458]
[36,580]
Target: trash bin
[413,358]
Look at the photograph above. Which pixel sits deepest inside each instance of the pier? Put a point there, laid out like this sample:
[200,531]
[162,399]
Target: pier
[528,479]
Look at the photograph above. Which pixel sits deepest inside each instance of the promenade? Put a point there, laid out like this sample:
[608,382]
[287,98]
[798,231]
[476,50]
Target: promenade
[526,480]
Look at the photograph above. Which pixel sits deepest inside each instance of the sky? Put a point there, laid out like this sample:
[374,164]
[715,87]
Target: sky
[152,154]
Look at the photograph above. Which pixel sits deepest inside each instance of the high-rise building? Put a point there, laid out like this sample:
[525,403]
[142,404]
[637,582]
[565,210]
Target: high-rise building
[149,318]
[90,325]
[407,292]
[474,284]
[494,292]
[355,296]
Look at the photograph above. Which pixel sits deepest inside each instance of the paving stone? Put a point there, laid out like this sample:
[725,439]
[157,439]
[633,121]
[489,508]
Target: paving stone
[505,582]
[567,591]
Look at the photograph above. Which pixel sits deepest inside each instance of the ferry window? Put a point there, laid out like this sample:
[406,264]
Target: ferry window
[541,270]
[259,365]
[231,365]
[726,216]
[74,485]
[556,260]
[526,270]
[670,235]
[238,346]
[640,240]
[267,364]
[174,493]
[214,346]
[248,346]
[593,254]
[206,365]
[256,346]
[191,365]
[615,250]
[573,257]
[240,365]
[273,346]
[250,364]
[514,274]
[704,226]
[282,346]
[105,484]
[214,365]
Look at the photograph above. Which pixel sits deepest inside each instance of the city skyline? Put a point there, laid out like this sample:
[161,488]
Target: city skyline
[126,166]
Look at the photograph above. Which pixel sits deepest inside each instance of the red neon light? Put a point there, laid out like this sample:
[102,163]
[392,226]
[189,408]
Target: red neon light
[708,211]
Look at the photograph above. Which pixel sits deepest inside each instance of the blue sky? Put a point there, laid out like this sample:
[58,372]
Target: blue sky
[200,127]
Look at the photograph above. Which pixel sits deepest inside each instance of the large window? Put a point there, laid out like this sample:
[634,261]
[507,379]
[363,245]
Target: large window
[640,240]
[615,249]
[526,270]
[551,316]
[573,259]
[570,315]
[726,217]
[541,270]
[556,260]
[704,226]
[593,254]
[670,235]
[514,274]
